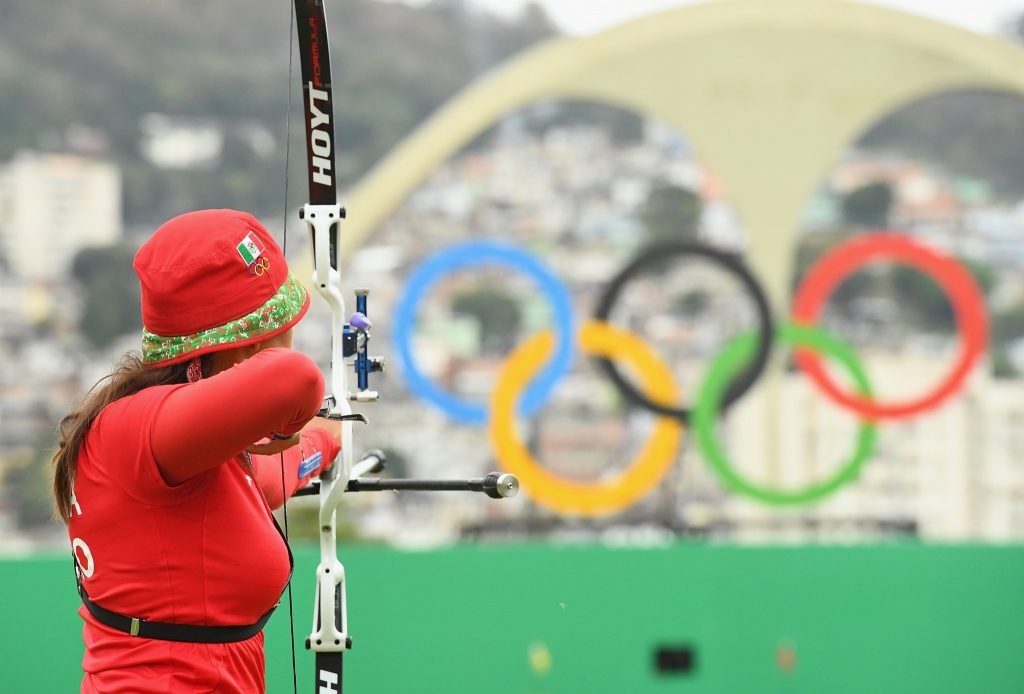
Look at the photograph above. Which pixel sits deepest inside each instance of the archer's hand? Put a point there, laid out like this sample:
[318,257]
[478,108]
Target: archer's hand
[332,426]
[272,446]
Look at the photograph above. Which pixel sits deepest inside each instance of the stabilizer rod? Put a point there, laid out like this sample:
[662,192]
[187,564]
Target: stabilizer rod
[497,485]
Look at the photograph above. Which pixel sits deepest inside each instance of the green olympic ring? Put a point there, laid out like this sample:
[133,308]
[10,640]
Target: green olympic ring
[730,361]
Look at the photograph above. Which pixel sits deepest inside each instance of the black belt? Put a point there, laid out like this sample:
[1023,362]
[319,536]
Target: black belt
[166,631]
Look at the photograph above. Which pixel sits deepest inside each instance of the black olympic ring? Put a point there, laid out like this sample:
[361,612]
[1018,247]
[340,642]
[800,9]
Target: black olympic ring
[730,262]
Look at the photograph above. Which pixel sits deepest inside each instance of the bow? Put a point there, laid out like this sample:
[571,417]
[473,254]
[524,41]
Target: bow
[323,214]
[329,638]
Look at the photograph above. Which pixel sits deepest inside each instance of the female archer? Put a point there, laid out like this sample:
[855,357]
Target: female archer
[164,474]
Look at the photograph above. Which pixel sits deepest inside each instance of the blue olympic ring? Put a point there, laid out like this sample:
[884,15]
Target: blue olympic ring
[459,257]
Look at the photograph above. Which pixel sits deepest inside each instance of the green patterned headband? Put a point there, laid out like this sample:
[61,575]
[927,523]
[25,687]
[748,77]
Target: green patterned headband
[282,310]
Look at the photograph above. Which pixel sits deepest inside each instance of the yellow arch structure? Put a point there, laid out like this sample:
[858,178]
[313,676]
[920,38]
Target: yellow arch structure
[770,93]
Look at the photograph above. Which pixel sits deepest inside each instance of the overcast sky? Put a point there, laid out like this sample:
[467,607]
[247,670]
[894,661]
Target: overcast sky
[587,16]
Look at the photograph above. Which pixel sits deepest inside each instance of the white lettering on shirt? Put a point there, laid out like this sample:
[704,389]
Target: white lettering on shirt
[82,551]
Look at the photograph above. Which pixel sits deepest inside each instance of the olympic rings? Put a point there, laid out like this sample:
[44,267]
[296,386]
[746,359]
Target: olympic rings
[732,372]
[729,361]
[964,296]
[260,266]
[728,262]
[583,498]
[467,255]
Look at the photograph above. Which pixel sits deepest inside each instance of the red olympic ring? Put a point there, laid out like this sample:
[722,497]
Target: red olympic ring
[962,291]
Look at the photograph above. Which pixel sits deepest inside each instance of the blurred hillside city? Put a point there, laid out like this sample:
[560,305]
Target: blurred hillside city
[584,188]
[585,204]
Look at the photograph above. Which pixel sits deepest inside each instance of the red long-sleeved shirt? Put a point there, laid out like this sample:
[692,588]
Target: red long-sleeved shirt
[204,551]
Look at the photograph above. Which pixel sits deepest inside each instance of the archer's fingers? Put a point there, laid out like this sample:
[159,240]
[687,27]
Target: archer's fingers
[273,446]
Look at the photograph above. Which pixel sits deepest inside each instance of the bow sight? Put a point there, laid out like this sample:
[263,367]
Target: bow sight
[356,339]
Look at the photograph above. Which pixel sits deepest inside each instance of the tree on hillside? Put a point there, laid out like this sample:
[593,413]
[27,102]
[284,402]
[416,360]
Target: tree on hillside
[869,205]
[110,293]
[671,213]
[397,463]
[1008,325]
[497,314]
[186,59]
[26,484]
[972,133]
[692,303]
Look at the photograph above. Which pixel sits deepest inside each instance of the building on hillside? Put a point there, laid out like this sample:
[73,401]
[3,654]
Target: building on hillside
[52,206]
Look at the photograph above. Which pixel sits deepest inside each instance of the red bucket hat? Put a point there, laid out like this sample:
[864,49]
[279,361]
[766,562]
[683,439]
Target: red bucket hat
[211,280]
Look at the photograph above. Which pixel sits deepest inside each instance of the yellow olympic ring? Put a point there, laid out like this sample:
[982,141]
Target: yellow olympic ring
[569,496]
[261,266]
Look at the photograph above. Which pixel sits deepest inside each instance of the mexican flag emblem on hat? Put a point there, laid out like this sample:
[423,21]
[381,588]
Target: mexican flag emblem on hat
[250,248]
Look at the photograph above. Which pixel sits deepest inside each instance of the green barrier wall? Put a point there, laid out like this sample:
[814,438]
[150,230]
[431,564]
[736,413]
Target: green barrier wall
[861,619]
